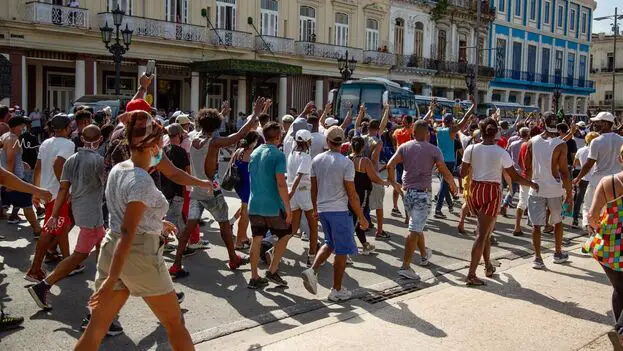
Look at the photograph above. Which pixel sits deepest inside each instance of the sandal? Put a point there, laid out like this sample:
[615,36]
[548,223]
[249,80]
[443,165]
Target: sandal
[474,281]
[489,271]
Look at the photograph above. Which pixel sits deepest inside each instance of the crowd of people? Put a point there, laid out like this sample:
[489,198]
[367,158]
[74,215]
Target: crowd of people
[137,187]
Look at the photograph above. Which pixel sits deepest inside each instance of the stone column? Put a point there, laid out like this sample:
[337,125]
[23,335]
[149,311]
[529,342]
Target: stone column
[319,100]
[574,104]
[242,97]
[194,91]
[95,77]
[24,101]
[283,96]
[79,90]
[521,97]
[40,90]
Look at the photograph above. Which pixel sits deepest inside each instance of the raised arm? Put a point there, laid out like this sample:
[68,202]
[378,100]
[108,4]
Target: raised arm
[385,119]
[326,112]
[232,139]
[349,117]
[463,122]
[360,114]
[144,82]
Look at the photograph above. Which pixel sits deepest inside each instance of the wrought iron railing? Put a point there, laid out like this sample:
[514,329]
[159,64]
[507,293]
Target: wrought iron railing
[231,38]
[329,51]
[544,78]
[379,57]
[41,12]
[279,45]
[148,27]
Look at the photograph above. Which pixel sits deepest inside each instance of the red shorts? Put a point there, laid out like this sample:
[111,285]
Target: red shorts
[484,198]
[64,217]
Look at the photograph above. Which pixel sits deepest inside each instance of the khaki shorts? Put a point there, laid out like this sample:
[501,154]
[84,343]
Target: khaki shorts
[376,197]
[144,272]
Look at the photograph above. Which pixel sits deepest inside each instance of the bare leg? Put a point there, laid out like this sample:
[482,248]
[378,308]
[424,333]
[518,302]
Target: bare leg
[411,242]
[339,267]
[296,221]
[558,233]
[395,197]
[243,225]
[254,255]
[484,225]
[63,241]
[227,236]
[30,215]
[421,244]
[536,241]
[166,308]
[379,221]
[43,245]
[321,257]
[486,252]
[183,241]
[65,267]
[101,317]
[464,212]
[313,232]
[518,218]
[278,251]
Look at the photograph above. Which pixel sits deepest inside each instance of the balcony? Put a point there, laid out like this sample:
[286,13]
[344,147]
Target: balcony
[277,45]
[552,80]
[327,51]
[442,66]
[379,58]
[231,38]
[147,27]
[62,16]
[470,5]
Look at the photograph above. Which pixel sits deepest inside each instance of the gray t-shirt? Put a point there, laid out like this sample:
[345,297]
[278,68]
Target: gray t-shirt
[331,169]
[513,150]
[418,159]
[84,170]
[605,150]
[126,184]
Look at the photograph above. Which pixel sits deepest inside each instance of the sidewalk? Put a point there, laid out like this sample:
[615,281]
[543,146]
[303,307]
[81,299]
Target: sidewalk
[564,308]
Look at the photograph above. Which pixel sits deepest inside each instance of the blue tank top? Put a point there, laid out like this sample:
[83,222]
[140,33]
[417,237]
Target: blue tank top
[445,144]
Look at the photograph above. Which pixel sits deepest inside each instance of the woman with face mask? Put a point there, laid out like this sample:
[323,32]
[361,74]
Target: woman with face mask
[243,189]
[131,261]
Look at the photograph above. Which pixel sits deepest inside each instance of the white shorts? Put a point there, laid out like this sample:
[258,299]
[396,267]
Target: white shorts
[301,201]
[523,197]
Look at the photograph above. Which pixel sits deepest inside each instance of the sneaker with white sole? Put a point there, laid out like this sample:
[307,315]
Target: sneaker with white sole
[425,259]
[561,257]
[538,264]
[310,280]
[408,273]
[200,245]
[368,249]
[340,295]
[349,260]
[304,236]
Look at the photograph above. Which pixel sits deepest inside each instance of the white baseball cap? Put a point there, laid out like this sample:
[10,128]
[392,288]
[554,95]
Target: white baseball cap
[581,124]
[330,122]
[603,116]
[303,135]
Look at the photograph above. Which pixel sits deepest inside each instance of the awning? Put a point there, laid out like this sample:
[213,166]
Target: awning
[246,67]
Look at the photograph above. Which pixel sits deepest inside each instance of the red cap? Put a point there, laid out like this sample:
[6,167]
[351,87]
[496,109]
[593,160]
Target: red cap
[137,105]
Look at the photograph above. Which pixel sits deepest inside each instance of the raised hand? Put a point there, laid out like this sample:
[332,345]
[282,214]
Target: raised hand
[225,109]
[267,104]
[258,105]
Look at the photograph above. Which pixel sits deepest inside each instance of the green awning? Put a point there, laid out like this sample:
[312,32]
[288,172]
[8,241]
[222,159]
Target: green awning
[246,67]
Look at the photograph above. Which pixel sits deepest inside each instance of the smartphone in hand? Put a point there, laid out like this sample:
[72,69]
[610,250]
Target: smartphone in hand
[151,67]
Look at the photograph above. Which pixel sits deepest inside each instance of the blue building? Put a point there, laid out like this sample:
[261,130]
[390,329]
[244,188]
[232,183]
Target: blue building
[540,48]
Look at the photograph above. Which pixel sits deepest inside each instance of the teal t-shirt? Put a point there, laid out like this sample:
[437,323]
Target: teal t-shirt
[445,144]
[266,162]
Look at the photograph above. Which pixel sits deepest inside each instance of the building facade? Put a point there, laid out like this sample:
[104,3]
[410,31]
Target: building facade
[435,42]
[206,51]
[541,50]
[603,70]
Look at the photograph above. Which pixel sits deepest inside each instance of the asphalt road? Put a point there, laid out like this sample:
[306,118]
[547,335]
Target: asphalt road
[217,299]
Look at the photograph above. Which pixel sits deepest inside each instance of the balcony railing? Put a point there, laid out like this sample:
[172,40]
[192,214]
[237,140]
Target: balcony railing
[379,58]
[556,80]
[328,51]
[40,12]
[148,27]
[486,8]
[441,66]
[231,38]
[276,45]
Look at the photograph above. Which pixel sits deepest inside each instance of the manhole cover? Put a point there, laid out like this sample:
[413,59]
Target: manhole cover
[379,296]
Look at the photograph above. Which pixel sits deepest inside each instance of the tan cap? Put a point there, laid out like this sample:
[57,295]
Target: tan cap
[335,135]
[182,119]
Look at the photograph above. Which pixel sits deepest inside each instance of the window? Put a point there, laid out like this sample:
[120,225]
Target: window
[341,29]
[518,8]
[125,5]
[269,18]
[609,96]
[546,12]
[558,67]
[545,53]
[441,45]
[502,6]
[372,34]
[560,18]
[463,48]
[584,20]
[500,54]
[572,20]
[582,73]
[399,32]
[517,48]
[532,10]
[610,61]
[531,59]
[307,24]
[226,14]
[176,10]
[419,39]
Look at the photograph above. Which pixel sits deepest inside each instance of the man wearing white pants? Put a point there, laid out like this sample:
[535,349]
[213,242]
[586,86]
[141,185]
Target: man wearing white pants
[518,159]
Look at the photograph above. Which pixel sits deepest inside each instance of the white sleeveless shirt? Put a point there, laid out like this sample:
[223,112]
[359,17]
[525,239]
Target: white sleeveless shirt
[542,152]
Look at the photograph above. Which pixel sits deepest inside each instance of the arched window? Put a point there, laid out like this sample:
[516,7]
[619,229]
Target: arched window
[341,29]
[399,35]
[307,23]
[372,34]
[441,45]
[418,48]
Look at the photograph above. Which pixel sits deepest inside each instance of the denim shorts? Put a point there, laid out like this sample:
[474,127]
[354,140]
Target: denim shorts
[338,232]
[418,205]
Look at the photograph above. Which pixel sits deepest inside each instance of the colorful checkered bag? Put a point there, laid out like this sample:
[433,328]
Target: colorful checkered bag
[605,244]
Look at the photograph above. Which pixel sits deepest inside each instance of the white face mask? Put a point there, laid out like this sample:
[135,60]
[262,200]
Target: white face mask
[551,130]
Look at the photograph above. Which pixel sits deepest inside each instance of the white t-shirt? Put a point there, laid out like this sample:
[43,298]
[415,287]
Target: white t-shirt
[487,162]
[579,142]
[331,169]
[299,162]
[605,151]
[319,144]
[49,151]
[582,157]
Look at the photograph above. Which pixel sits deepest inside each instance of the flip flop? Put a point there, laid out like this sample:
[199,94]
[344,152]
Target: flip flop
[489,271]
[474,281]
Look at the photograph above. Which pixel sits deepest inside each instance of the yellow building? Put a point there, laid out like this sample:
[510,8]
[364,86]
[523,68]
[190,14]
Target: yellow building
[206,51]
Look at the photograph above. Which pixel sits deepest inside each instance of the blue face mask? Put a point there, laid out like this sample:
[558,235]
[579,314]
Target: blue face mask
[155,160]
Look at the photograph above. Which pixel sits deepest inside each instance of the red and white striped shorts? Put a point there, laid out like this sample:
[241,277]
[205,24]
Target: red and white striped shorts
[484,198]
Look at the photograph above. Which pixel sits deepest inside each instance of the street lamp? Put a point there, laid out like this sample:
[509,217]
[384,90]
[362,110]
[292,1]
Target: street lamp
[346,66]
[470,82]
[117,49]
[615,27]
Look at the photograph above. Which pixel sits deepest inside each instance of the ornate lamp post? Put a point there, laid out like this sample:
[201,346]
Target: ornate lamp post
[346,66]
[470,82]
[117,49]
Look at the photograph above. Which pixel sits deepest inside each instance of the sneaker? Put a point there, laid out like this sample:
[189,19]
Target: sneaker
[240,261]
[189,252]
[275,278]
[39,293]
[35,278]
[168,248]
[382,236]
[304,236]
[114,329]
[7,322]
[257,283]
[538,264]
[561,257]
[178,272]
[13,220]
[349,261]
[440,215]
[340,295]
[408,273]
[310,280]
[425,259]
[368,249]
[77,270]
[396,212]
[180,297]
[200,245]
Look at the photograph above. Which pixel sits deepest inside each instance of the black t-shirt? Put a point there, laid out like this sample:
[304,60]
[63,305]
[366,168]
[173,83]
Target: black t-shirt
[179,158]
[572,148]
[30,146]
[76,138]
